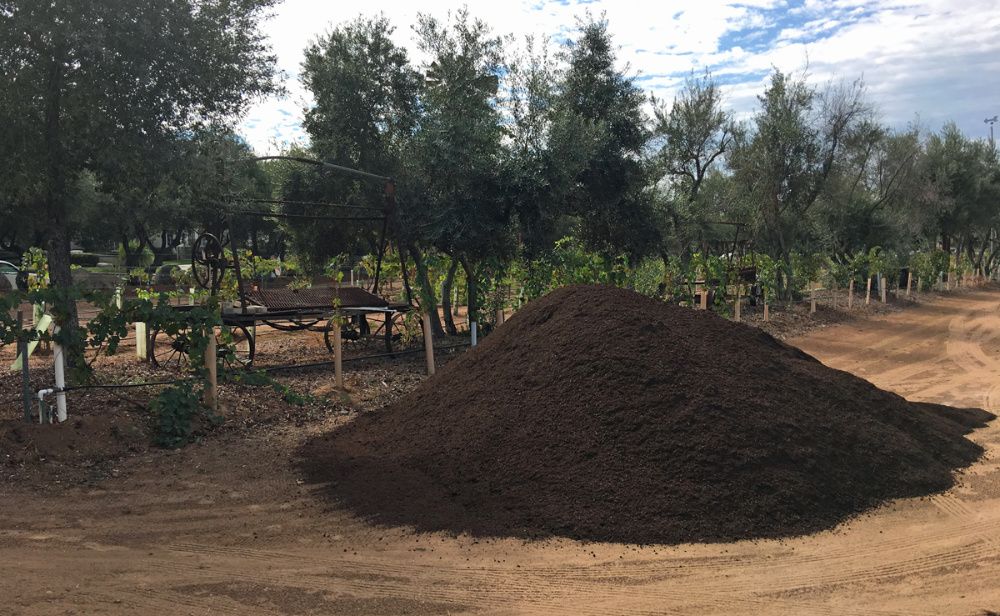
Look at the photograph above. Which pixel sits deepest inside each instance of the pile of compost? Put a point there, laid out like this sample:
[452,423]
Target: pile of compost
[599,414]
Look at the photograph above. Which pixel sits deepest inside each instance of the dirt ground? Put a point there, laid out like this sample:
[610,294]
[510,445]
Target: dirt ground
[227,525]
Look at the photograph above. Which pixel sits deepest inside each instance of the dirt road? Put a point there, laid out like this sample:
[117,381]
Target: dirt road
[228,527]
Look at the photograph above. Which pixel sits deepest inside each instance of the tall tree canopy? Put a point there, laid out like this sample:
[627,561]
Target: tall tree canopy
[92,81]
[609,196]
[363,117]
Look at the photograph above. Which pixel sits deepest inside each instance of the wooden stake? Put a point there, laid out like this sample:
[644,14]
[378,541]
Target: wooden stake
[812,298]
[767,314]
[704,298]
[500,316]
[737,310]
[212,391]
[22,349]
[909,280]
[882,285]
[850,294]
[338,355]
[868,292]
[140,341]
[428,344]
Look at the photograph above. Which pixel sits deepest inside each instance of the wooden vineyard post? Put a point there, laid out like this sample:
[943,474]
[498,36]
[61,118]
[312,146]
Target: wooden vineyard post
[882,285]
[850,294]
[736,310]
[500,316]
[767,314]
[812,298]
[868,292]
[909,280]
[919,285]
[428,343]
[140,341]
[338,354]
[211,365]
[704,298]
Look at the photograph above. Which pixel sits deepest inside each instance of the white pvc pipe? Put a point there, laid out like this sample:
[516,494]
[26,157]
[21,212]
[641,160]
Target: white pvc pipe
[472,329]
[41,403]
[60,365]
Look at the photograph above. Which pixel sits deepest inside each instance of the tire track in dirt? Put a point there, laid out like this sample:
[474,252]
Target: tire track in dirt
[684,573]
[550,597]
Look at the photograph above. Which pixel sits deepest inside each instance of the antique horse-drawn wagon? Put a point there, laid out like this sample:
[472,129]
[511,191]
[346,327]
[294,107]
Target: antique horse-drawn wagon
[284,309]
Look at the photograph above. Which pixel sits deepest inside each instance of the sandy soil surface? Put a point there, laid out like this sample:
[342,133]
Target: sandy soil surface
[227,526]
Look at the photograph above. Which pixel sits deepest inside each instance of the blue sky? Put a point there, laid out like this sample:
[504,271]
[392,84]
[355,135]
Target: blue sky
[925,61]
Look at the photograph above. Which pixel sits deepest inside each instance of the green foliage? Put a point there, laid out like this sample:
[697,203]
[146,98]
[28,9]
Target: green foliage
[178,411]
[608,197]
[853,267]
[259,378]
[569,262]
[767,274]
[927,266]
[36,263]
[806,269]
[715,272]
[648,276]
[137,255]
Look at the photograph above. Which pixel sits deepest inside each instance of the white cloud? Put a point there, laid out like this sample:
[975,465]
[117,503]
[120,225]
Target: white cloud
[936,58]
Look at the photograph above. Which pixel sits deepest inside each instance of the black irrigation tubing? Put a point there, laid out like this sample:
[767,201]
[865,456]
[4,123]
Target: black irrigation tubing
[126,385]
[106,386]
[361,358]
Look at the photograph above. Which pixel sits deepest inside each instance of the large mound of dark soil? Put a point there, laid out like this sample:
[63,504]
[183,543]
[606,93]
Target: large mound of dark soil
[599,414]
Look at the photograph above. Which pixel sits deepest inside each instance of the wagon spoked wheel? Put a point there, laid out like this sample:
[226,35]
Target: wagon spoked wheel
[172,351]
[208,261]
[355,334]
[236,347]
[169,351]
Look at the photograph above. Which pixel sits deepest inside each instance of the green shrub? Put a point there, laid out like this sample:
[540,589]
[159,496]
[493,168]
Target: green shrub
[178,408]
[146,257]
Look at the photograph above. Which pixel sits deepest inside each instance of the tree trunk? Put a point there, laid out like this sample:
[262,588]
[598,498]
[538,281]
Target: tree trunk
[473,290]
[428,299]
[406,278]
[131,257]
[60,273]
[254,241]
[446,286]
